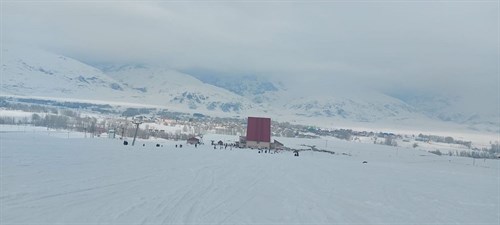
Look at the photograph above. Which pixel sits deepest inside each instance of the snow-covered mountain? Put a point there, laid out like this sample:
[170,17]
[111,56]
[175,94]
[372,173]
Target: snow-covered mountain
[451,109]
[30,71]
[257,89]
[370,108]
[35,72]
[161,85]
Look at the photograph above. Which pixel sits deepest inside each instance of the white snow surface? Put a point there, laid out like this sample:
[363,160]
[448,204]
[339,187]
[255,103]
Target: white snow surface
[48,178]
[30,72]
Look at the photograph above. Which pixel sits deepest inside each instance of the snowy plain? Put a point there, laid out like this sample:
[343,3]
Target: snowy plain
[58,177]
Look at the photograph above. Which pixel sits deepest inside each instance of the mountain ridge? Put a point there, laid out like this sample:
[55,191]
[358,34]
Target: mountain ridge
[34,72]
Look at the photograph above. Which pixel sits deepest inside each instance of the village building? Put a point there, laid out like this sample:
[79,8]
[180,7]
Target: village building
[258,133]
[242,143]
[111,134]
[277,145]
[193,141]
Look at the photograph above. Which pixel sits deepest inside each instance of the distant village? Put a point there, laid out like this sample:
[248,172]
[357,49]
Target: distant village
[253,132]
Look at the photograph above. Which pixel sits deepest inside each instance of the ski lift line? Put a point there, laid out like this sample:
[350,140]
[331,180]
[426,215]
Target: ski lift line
[137,123]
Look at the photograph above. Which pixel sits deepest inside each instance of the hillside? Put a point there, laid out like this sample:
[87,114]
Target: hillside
[35,72]
[163,86]
[32,72]
[48,180]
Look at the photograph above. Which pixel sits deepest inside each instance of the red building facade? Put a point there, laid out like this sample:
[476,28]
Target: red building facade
[258,132]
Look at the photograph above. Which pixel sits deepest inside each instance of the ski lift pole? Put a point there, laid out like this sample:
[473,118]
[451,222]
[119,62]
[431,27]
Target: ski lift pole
[137,123]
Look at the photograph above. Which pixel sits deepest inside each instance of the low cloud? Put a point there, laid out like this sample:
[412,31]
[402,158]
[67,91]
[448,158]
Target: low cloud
[432,47]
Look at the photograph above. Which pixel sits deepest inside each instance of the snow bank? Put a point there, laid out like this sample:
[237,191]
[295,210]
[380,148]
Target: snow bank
[96,180]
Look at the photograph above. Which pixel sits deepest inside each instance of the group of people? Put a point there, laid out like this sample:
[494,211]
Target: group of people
[222,145]
[268,151]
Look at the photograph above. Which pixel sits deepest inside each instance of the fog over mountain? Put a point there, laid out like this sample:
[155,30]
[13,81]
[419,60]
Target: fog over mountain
[437,58]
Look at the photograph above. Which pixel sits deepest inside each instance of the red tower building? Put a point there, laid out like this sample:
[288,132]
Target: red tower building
[259,132]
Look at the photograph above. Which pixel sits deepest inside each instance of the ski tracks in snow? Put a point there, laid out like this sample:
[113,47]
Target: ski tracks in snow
[213,195]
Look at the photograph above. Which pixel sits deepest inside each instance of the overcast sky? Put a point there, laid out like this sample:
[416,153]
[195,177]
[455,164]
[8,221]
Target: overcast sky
[394,46]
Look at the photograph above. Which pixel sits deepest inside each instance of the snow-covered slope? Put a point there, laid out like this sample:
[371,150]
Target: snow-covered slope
[28,71]
[367,108]
[165,86]
[35,72]
[456,109]
[47,180]
[257,89]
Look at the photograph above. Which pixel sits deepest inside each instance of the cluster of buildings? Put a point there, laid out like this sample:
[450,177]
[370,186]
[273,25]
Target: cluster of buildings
[258,135]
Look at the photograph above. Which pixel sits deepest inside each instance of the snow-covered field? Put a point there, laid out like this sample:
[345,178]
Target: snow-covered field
[50,177]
